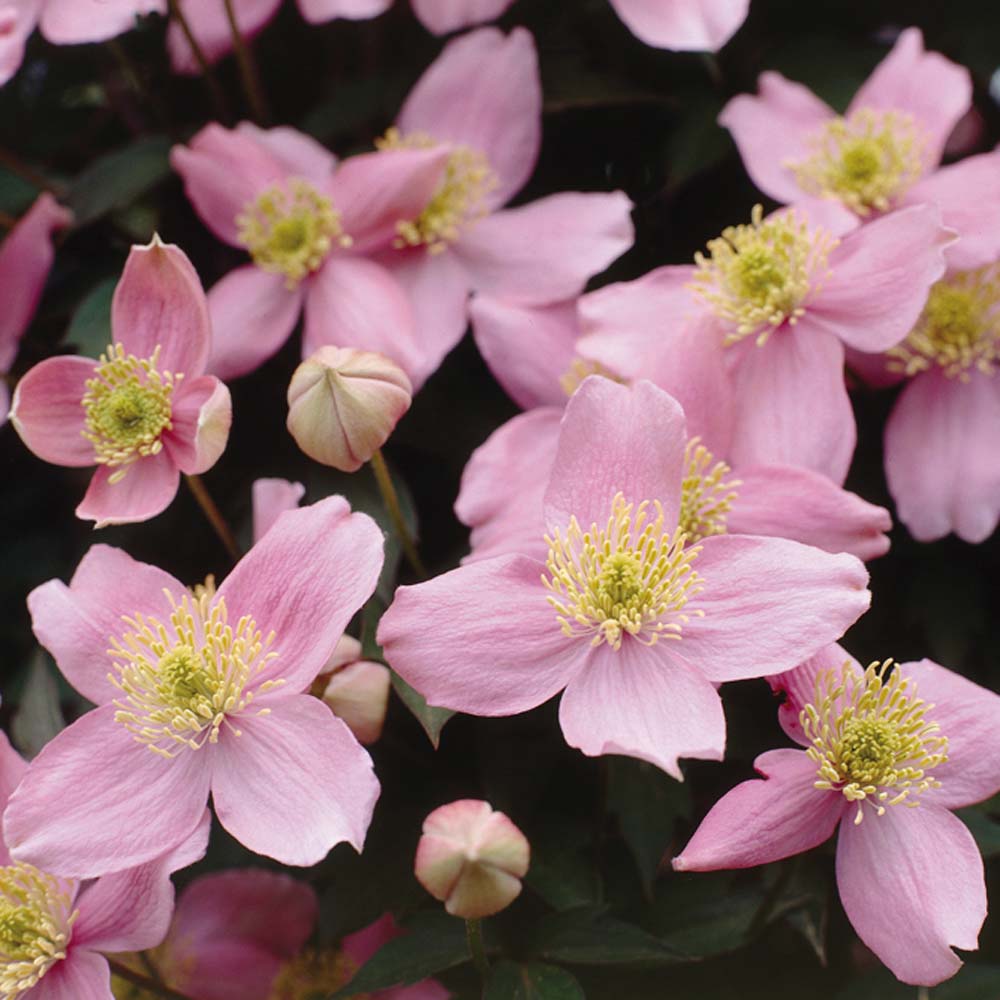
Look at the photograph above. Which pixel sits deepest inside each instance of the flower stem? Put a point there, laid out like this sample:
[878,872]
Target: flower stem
[391,500]
[214,516]
[215,91]
[923,993]
[474,935]
[9,161]
[248,68]
[148,984]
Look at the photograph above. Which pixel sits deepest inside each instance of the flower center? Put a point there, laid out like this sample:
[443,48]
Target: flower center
[581,368]
[314,973]
[869,737]
[35,927]
[959,329]
[866,160]
[128,407]
[459,200]
[760,276]
[181,682]
[629,576]
[706,494]
[290,229]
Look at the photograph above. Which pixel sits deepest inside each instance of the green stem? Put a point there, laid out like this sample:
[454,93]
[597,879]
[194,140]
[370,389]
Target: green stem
[391,500]
[474,935]
[145,982]
[923,993]
[218,98]
[214,516]
[9,161]
[248,68]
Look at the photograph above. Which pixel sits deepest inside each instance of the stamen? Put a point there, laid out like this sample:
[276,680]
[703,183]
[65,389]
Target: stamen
[128,406]
[869,737]
[581,368]
[630,576]
[706,494]
[314,973]
[762,276]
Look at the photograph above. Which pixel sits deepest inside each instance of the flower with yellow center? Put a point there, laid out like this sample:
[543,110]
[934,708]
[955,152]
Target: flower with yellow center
[707,494]
[869,737]
[314,973]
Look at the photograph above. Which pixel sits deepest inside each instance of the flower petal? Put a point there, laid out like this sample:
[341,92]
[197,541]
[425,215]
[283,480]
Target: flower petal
[300,154]
[444,16]
[683,25]
[318,11]
[271,498]
[202,416]
[148,489]
[210,26]
[19,23]
[80,974]
[68,22]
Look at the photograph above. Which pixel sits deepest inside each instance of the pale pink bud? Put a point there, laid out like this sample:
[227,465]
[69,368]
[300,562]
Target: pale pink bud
[343,404]
[471,858]
[358,690]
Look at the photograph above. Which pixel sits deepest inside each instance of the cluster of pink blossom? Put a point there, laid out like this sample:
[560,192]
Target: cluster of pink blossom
[667,516]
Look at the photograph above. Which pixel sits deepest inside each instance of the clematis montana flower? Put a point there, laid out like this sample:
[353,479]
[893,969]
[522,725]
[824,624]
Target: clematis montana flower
[887,756]
[202,691]
[144,412]
[26,257]
[54,931]
[883,154]
[630,618]
[684,25]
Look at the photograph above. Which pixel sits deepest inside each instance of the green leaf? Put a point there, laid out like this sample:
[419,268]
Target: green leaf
[38,717]
[589,937]
[432,719]
[984,826]
[90,329]
[509,981]
[563,874]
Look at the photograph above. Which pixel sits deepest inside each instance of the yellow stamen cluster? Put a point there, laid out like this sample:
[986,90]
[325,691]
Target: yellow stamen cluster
[760,276]
[866,160]
[959,329]
[706,493]
[128,406]
[869,737]
[459,200]
[630,576]
[183,681]
[35,927]
[314,974]
[581,368]
[290,229]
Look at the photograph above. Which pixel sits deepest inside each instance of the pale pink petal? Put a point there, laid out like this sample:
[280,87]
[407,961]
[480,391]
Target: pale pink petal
[880,277]
[202,415]
[912,885]
[26,257]
[81,974]
[271,498]
[301,155]
[873,369]
[646,702]
[294,783]
[548,250]
[484,92]
[76,623]
[159,303]
[792,407]
[771,130]
[941,459]
[683,25]
[527,348]
[12,768]
[223,970]
[318,11]
[305,579]
[47,410]
[763,821]
[210,26]
[18,21]
[358,693]
[768,604]
[444,16]
[69,22]
[253,313]
[616,438]
[148,489]
[439,635]
[790,502]
[111,792]
[926,85]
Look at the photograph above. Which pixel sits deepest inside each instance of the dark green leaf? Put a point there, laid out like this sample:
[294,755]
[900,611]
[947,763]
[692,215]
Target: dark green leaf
[509,981]
[90,329]
[589,937]
[982,821]
[563,874]
[430,718]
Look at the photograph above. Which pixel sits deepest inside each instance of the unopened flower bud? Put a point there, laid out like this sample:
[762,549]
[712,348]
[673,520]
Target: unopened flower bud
[343,404]
[357,691]
[471,858]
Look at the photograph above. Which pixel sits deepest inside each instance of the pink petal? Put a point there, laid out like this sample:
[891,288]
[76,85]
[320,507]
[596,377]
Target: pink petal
[12,768]
[880,277]
[305,579]
[76,623]
[444,16]
[81,974]
[299,154]
[19,22]
[548,250]
[358,693]
[792,406]
[527,348]
[683,25]
[912,884]
[148,489]
[616,438]
[222,970]
[202,416]
[70,22]
[437,636]
[933,89]
[210,25]
[800,504]
[48,414]
[4,402]
[941,459]
[763,821]
[872,368]
[318,11]
[271,498]
[771,130]
[159,303]
[111,792]
[484,92]
[294,783]
[768,604]
[646,702]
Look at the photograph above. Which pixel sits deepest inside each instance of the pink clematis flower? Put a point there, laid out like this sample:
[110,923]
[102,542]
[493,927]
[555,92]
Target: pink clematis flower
[883,154]
[202,692]
[911,879]
[144,412]
[683,25]
[634,622]
[310,227]
[55,931]
[26,257]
